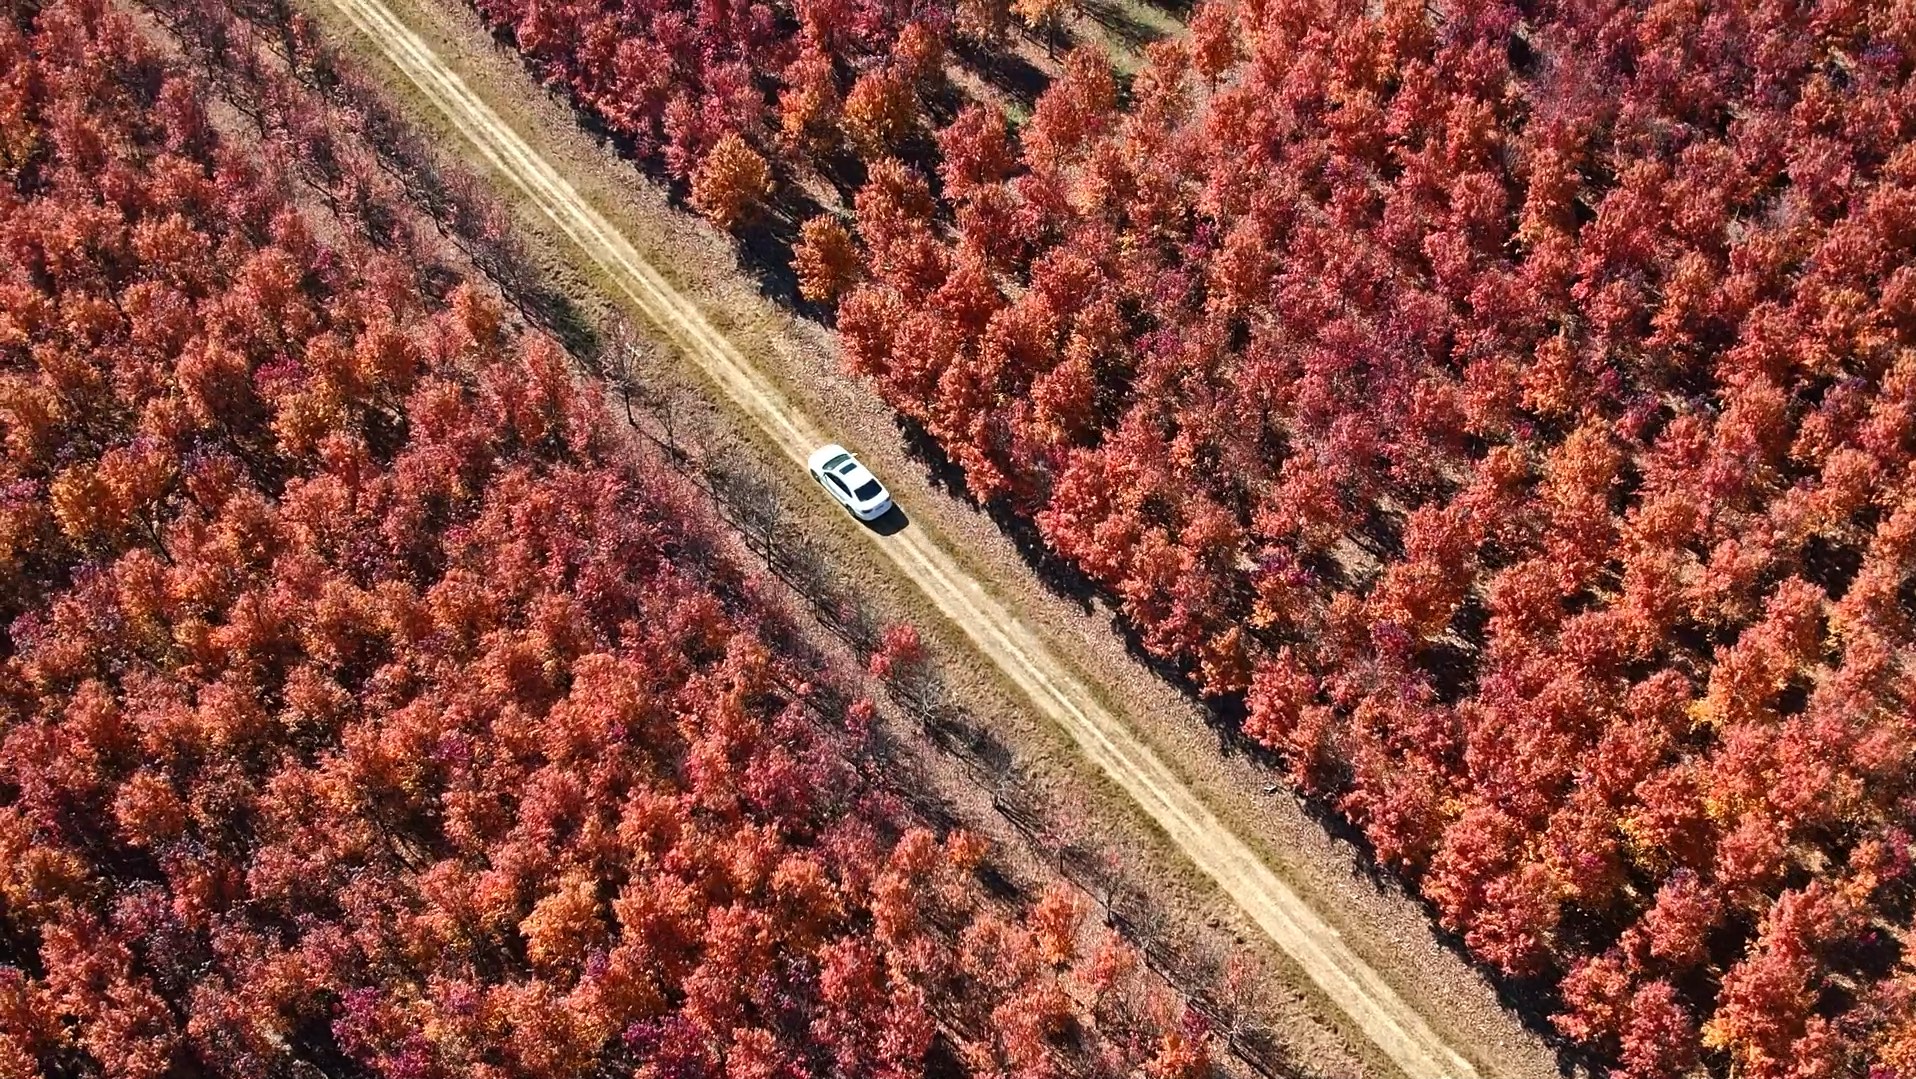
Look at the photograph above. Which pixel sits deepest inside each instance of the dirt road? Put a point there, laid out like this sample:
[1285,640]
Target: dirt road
[998,633]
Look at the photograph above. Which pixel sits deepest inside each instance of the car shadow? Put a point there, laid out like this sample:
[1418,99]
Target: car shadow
[889,523]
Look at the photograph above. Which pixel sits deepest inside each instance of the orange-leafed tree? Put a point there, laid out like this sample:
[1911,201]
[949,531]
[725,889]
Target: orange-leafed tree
[731,183]
[825,259]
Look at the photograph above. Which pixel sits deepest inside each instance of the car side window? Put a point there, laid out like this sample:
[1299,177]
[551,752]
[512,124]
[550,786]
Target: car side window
[838,483]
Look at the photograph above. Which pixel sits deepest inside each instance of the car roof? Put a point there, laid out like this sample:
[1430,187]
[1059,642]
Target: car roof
[851,471]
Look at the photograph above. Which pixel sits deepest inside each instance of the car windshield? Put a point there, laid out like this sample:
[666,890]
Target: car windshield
[833,464]
[870,491]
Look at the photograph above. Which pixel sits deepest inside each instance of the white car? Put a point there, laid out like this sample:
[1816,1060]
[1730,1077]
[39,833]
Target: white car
[850,483]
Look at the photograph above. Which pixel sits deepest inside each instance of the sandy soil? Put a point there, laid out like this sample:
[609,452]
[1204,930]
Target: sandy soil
[1426,1012]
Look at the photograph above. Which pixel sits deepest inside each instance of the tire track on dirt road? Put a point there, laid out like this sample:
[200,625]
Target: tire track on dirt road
[1003,638]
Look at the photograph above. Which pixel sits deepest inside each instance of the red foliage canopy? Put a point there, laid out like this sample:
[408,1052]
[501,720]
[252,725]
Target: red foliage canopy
[366,702]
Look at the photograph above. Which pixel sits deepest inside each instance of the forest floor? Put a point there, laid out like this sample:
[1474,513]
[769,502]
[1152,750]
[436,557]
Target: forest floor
[1386,992]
